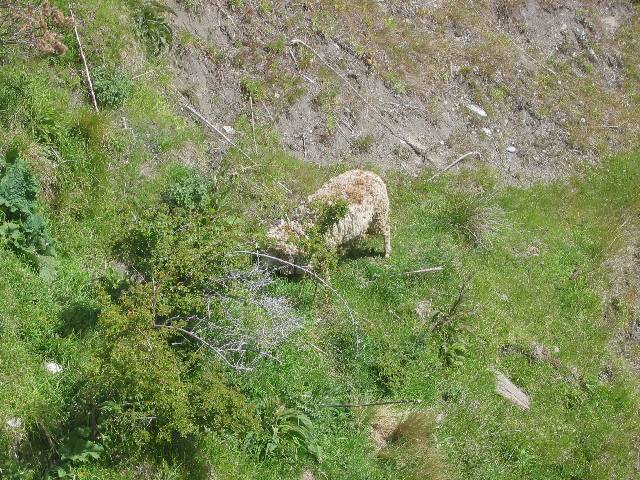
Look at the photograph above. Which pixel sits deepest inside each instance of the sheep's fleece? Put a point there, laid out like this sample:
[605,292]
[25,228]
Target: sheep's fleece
[367,213]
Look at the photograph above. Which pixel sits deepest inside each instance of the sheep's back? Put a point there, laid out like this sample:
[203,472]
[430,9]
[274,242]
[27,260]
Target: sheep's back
[354,187]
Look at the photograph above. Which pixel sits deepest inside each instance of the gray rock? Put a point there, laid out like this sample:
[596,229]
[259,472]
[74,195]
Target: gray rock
[477,110]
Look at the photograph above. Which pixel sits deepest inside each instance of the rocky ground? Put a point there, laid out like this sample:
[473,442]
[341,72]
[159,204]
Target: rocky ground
[404,85]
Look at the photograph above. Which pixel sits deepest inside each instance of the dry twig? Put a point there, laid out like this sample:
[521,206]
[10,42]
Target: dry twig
[200,117]
[425,270]
[370,404]
[84,61]
[453,164]
[323,282]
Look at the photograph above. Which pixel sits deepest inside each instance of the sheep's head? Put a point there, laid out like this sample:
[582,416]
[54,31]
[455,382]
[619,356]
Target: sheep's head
[284,242]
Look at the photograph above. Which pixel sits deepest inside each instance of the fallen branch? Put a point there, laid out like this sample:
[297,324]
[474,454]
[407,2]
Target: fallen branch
[370,404]
[453,164]
[417,148]
[84,61]
[216,129]
[318,278]
[425,270]
[202,341]
[253,126]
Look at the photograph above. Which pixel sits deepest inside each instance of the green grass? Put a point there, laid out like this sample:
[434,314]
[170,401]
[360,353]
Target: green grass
[530,259]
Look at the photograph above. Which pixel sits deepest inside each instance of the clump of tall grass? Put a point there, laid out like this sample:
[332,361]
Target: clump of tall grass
[412,449]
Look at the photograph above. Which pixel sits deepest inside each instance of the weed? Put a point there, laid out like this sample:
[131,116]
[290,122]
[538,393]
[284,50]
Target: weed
[277,46]
[363,143]
[22,227]
[153,26]
[112,87]
[77,449]
[281,427]
[252,88]
[186,189]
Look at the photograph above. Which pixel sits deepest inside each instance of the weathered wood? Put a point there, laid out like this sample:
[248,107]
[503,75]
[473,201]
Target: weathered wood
[510,391]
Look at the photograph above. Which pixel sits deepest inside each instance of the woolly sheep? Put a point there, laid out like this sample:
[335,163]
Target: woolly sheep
[365,195]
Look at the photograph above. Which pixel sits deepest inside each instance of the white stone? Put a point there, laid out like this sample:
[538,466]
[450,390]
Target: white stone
[229,129]
[14,422]
[52,367]
[487,131]
[511,149]
[477,110]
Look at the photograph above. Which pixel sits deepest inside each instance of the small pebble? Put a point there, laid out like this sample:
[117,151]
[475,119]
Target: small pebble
[487,131]
[52,367]
[229,129]
[511,149]
[14,422]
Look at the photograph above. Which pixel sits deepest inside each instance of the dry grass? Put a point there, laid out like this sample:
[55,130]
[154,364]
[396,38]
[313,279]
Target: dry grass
[411,447]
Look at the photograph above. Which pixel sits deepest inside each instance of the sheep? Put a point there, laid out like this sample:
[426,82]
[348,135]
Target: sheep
[364,196]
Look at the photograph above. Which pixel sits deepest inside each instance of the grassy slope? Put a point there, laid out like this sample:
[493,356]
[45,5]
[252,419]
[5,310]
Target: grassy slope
[576,428]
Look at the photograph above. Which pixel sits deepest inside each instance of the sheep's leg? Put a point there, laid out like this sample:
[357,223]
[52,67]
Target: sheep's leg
[386,232]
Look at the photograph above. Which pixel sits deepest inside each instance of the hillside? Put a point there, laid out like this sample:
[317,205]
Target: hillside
[142,335]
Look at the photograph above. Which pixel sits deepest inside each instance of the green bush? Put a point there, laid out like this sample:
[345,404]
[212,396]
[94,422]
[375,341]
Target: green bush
[186,189]
[22,227]
[112,87]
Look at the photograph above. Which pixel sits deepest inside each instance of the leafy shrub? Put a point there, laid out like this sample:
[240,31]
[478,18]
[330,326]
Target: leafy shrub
[77,449]
[112,87]
[282,429]
[186,189]
[22,227]
[136,383]
[153,27]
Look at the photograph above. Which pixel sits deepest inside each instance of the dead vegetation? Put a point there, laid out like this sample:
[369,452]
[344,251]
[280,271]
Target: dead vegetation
[410,445]
[35,26]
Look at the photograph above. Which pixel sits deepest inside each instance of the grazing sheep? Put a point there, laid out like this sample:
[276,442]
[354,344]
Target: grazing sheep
[364,196]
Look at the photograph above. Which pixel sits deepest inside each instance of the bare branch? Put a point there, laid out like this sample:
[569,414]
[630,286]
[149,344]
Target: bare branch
[369,404]
[84,61]
[318,278]
[201,340]
[200,117]
[425,270]
[453,164]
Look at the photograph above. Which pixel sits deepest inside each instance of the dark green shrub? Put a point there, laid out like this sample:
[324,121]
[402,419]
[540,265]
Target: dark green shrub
[112,87]
[22,227]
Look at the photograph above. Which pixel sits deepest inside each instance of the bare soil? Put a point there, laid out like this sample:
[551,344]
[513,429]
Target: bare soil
[553,79]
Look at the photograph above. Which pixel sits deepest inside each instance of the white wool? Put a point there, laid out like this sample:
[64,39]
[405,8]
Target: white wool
[367,213]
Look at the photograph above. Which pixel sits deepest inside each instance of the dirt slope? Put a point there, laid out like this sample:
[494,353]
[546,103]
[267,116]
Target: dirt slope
[536,86]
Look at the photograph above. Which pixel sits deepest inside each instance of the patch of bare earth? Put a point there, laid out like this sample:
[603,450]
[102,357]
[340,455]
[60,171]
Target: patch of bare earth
[535,86]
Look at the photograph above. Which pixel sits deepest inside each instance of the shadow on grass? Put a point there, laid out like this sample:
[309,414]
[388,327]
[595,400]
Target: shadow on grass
[78,318]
